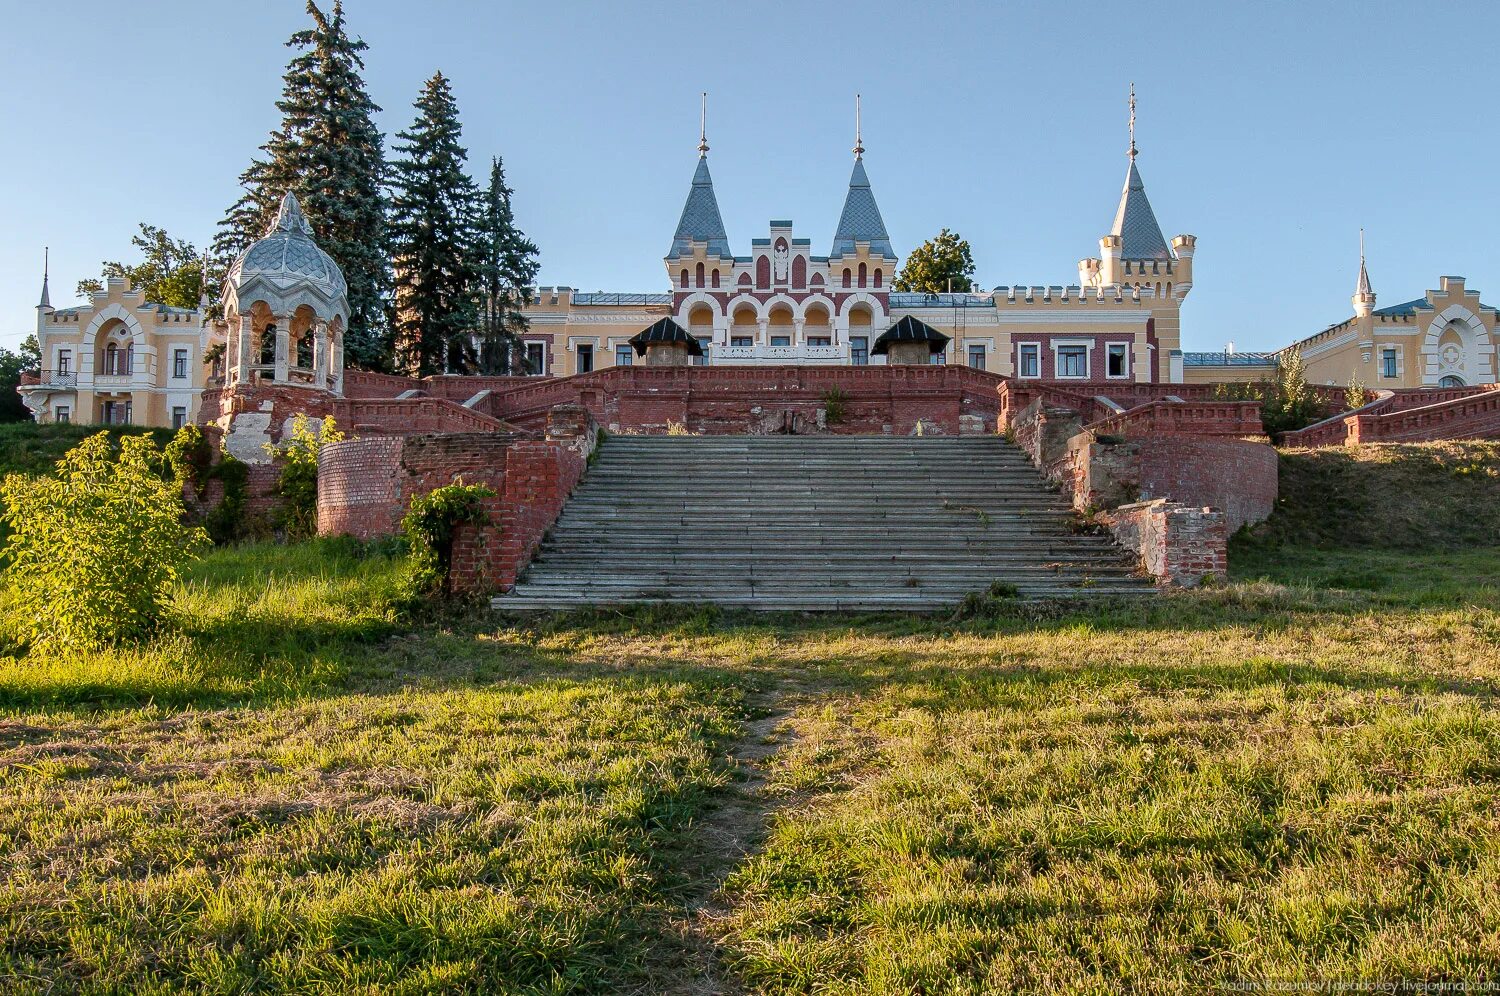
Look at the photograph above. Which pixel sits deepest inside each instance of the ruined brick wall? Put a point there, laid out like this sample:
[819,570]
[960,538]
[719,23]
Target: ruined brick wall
[359,487]
[1180,545]
[1236,476]
[365,486]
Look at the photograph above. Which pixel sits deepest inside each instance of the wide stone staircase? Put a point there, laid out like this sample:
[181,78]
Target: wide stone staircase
[815,523]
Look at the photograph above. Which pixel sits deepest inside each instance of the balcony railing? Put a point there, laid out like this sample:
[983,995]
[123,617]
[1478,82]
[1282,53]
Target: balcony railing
[777,354]
[58,378]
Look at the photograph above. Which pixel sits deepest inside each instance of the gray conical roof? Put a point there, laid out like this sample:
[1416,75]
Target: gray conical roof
[861,221]
[288,256]
[1135,222]
[700,221]
[1363,287]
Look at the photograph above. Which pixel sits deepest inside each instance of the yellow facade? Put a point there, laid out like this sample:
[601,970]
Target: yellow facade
[121,359]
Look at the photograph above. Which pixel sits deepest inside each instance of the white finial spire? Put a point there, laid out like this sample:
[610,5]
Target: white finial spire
[859,144]
[46,301]
[1132,121]
[703,127]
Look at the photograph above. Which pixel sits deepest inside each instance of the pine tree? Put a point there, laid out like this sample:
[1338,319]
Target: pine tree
[330,153]
[435,211]
[507,269]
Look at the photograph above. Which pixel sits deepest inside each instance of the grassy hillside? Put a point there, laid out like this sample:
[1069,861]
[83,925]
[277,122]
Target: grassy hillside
[1399,497]
[29,448]
[294,791]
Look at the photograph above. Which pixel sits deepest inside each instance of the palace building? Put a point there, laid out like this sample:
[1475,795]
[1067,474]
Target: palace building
[120,359]
[783,302]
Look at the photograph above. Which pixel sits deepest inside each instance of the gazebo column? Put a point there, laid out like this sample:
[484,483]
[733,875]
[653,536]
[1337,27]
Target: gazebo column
[242,346]
[320,354]
[283,342]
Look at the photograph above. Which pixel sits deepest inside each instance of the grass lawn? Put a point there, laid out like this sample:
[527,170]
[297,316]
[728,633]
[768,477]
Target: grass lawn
[1292,777]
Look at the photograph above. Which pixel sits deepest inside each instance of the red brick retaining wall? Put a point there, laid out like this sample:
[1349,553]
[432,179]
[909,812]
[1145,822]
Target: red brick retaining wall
[1179,545]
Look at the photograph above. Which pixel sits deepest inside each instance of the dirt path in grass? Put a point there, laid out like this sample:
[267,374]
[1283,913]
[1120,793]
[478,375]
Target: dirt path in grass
[729,834]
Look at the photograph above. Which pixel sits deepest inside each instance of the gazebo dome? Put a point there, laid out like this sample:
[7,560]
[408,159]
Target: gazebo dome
[287,259]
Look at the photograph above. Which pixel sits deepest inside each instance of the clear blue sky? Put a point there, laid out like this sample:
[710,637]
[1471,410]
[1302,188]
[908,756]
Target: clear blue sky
[1272,131]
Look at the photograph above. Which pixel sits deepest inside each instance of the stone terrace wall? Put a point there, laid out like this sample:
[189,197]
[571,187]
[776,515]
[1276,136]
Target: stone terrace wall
[888,400]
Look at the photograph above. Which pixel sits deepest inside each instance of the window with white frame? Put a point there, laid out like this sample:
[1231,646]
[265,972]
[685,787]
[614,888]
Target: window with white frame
[585,358]
[1029,360]
[1117,360]
[63,414]
[742,341]
[179,364]
[624,354]
[859,350]
[819,340]
[1073,362]
[976,355]
[703,344]
[64,361]
[179,417]
[536,358]
[1388,362]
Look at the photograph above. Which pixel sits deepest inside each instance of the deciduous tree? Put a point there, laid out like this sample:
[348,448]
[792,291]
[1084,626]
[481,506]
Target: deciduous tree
[939,265]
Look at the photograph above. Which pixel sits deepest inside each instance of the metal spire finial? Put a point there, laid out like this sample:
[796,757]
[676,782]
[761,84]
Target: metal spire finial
[859,145]
[1361,247]
[703,127]
[1132,121]
[46,301]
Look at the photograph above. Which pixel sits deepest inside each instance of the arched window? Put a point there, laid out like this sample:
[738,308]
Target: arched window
[305,350]
[684,276]
[763,272]
[268,346]
[846,276]
[112,359]
[716,276]
[878,276]
[1451,381]
[700,274]
[799,272]
[744,280]
[862,273]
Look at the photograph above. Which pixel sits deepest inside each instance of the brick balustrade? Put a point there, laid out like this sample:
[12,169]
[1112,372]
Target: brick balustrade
[1183,418]
[1179,545]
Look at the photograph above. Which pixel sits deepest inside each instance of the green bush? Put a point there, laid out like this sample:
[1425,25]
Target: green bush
[95,549]
[429,525]
[1286,403]
[298,484]
[191,460]
[835,400]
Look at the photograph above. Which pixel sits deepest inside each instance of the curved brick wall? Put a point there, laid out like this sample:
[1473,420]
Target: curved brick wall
[1235,476]
[359,487]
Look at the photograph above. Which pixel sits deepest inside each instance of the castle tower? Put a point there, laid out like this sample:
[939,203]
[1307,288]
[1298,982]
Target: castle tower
[860,221]
[700,222]
[1135,254]
[1364,297]
[44,306]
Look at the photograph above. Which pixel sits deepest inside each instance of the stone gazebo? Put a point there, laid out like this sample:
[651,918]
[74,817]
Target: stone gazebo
[666,344]
[910,341]
[285,311]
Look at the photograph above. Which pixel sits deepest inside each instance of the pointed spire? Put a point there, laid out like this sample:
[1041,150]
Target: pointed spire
[703,128]
[859,144]
[46,301]
[1135,222]
[861,220]
[1363,287]
[289,216]
[1364,295]
[701,221]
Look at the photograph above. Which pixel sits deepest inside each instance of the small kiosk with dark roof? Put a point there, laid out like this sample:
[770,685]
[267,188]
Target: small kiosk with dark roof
[909,341]
[666,344]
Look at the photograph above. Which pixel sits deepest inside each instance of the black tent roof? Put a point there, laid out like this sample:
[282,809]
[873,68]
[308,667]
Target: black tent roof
[910,329]
[665,330]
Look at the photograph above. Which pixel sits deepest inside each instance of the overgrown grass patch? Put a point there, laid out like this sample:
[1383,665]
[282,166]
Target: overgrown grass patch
[1292,777]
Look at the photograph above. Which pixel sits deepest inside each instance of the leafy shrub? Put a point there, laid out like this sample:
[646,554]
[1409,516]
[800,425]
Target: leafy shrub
[191,460]
[429,525]
[298,483]
[95,549]
[835,399]
[1287,403]
[1356,395]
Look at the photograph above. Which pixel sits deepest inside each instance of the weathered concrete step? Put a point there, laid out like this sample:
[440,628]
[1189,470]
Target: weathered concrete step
[815,603]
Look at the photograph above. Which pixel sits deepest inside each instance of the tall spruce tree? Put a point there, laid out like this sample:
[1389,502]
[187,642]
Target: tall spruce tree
[507,269]
[435,211]
[329,151]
